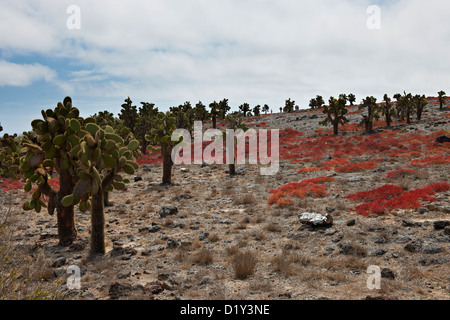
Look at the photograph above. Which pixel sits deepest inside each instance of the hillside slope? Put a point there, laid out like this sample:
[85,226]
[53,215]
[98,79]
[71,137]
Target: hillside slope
[240,237]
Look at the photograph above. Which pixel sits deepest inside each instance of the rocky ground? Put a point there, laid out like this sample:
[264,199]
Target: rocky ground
[212,236]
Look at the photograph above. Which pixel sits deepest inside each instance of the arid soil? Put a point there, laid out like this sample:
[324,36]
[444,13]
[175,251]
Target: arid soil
[226,242]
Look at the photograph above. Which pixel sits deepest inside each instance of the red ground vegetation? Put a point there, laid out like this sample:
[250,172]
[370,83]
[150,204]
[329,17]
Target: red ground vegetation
[356,167]
[314,187]
[11,184]
[401,173]
[313,169]
[390,197]
[427,161]
[151,157]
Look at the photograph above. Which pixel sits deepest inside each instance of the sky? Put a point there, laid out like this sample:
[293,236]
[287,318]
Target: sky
[255,51]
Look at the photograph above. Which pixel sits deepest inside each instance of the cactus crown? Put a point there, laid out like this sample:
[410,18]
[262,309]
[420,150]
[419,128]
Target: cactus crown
[68,142]
[162,131]
[101,156]
[57,136]
[9,156]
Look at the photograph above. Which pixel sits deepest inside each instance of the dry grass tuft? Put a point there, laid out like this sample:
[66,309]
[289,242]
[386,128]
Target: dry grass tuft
[214,238]
[260,284]
[203,257]
[244,199]
[260,219]
[273,227]
[324,275]
[231,251]
[25,273]
[343,263]
[285,262]
[244,264]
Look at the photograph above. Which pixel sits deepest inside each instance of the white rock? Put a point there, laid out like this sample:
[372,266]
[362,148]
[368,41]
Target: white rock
[315,218]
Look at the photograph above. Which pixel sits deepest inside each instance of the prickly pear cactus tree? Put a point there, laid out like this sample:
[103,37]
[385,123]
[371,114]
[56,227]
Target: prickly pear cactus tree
[404,106]
[257,110]
[351,98]
[409,106]
[56,149]
[289,106]
[316,102]
[399,107]
[102,156]
[224,108]
[128,114]
[144,124]
[369,104]
[200,112]
[244,108]
[184,116]
[335,113]
[420,102]
[161,135]
[441,99]
[215,113]
[387,110]
[234,122]
[9,156]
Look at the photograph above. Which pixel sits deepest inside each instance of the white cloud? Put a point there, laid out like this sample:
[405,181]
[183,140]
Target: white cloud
[28,26]
[256,51]
[22,75]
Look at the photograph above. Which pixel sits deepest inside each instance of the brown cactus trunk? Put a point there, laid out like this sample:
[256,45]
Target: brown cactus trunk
[369,123]
[106,199]
[67,231]
[419,114]
[401,113]
[144,146]
[335,127]
[97,224]
[388,115]
[408,115]
[167,164]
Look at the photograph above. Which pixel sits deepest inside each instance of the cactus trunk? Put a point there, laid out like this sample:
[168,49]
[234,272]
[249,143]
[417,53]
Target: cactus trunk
[408,115]
[144,146]
[98,224]
[232,169]
[369,123]
[401,114]
[67,231]
[388,115]
[167,164]
[106,199]
[336,127]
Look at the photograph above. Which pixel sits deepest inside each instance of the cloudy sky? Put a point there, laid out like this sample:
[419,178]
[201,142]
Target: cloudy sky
[255,51]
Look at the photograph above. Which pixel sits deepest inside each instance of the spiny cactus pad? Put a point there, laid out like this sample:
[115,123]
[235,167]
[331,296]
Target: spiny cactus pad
[100,153]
